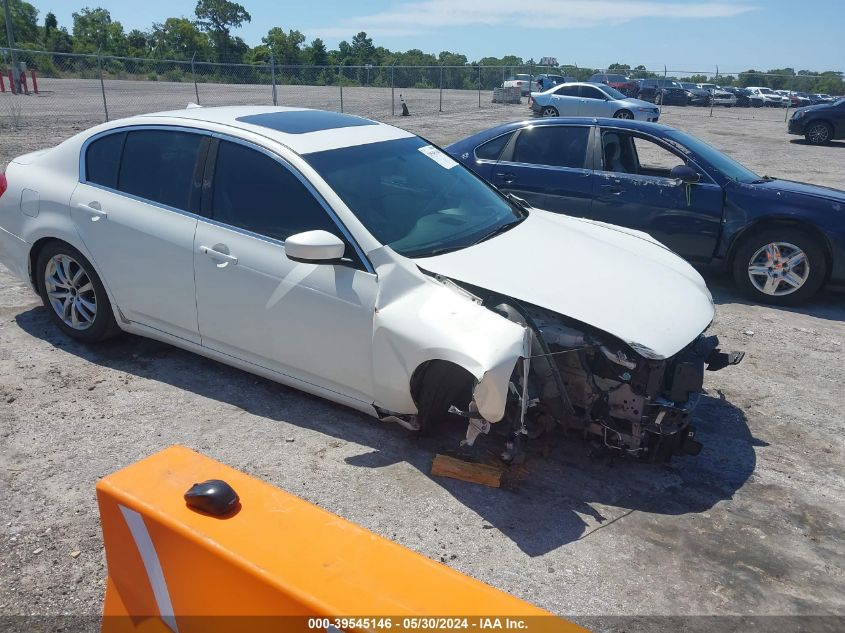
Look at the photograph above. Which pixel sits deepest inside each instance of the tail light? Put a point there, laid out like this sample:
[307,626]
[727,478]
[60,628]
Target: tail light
[4,184]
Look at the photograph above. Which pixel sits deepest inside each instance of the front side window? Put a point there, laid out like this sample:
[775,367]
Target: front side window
[588,92]
[255,192]
[158,165]
[552,145]
[102,160]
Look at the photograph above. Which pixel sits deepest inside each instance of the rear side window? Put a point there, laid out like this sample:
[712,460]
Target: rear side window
[253,191]
[554,145]
[158,165]
[567,91]
[491,150]
[102,160]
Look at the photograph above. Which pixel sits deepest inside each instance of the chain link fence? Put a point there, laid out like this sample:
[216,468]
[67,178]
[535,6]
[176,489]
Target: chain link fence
[82,90]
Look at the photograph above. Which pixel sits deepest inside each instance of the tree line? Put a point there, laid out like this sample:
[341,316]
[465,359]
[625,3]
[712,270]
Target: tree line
[207,39]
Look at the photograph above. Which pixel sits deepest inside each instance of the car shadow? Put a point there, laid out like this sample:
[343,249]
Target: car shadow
[828,304]
[831,144]
[547,499]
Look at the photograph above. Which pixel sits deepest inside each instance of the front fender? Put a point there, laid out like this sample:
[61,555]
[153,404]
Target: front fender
[419,319]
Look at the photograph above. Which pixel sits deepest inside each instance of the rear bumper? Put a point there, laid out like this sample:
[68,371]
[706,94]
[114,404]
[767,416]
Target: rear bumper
[14,254]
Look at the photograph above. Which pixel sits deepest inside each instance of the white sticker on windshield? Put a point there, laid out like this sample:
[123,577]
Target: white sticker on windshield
[438,157]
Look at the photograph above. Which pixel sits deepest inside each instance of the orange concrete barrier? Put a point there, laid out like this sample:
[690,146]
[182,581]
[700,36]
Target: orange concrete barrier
[275,563]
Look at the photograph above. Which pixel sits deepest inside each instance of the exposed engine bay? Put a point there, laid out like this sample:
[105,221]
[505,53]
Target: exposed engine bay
[586,382]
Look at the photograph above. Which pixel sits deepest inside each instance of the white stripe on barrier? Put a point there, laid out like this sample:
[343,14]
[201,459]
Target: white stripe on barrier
[151,563]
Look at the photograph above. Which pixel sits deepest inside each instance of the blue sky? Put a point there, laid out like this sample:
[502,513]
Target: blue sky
[691,35]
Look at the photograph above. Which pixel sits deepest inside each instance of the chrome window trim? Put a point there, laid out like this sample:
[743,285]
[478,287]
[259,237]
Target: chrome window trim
[226,137]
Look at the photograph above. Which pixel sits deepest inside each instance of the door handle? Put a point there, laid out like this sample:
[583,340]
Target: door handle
[215,254]
[612,189]
[506,178]
[95,212]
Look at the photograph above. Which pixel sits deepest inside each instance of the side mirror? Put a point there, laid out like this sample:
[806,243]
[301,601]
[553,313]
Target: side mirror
[684,173]
[314,247]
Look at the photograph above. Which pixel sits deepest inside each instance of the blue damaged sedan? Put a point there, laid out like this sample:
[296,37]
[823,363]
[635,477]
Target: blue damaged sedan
[781,240]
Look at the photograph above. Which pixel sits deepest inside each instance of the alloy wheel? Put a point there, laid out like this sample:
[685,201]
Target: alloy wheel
[818,133]
[778,269]
[70,292]
[549,111]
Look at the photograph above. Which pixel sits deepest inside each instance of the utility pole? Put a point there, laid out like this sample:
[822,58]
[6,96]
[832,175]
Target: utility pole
[10,38]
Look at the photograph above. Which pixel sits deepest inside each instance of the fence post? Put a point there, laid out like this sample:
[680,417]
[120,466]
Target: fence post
[479,85]
[441,87]
[102,85]
[194,77]
[392,90]
[789,103]
[713,94]
[340,82]
[660,105]
[273,77]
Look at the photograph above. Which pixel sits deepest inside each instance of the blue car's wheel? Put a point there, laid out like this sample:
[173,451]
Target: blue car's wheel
[780,266]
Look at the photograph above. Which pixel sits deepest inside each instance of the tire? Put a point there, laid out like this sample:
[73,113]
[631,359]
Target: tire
[549,111]
[69,286]
[443,385]
[623,114]
[658,98]
[771,284]
[819,133]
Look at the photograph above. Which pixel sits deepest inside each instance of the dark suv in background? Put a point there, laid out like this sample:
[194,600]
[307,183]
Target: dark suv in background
[819,124]
[623,84]
[663,91]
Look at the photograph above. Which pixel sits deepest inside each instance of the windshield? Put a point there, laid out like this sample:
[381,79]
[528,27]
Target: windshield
[728,167]
[839,102]
[613,93]
[617,79]
[766,91]
[688,86]
[413,197]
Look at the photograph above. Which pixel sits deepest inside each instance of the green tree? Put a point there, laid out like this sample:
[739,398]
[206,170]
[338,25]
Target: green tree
[285,46]
[362,49]
[316,53]
[179,38]
[217,18]
[93,29]
[24,25]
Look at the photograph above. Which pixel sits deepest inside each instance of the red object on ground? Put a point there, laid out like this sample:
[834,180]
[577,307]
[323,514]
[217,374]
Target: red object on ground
[4,184]
[11,81]
[34,81]
[2,83]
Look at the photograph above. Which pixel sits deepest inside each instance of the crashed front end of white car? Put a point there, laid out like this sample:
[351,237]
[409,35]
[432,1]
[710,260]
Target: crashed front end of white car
[504,314]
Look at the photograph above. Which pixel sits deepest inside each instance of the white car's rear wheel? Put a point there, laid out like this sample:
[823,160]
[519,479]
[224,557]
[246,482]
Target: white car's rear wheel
[73,293]
[549,111]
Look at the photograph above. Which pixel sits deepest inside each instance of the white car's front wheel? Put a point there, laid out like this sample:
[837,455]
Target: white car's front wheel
[624,114]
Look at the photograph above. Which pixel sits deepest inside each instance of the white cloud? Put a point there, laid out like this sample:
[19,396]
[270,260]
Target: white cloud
[407,18]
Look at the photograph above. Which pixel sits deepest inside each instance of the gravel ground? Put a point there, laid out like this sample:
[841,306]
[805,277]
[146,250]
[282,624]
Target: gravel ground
[752,526]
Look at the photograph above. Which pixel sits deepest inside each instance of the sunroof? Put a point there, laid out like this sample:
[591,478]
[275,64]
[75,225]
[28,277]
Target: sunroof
[304,121]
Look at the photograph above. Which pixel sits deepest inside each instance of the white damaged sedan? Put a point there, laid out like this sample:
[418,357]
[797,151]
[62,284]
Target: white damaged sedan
[356,261]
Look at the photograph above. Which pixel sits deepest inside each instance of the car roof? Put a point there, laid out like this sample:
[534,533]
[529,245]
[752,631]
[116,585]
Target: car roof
[481,137]
[303,130]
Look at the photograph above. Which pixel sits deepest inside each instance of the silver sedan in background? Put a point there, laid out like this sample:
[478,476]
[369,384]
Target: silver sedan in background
[591,100]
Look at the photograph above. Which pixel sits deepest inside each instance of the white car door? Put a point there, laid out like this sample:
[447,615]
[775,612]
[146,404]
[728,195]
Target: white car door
[311,322]
[566,101]
[133,210]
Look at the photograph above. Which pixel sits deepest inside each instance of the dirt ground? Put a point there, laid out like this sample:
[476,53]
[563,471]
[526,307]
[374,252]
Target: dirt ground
[753,526]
